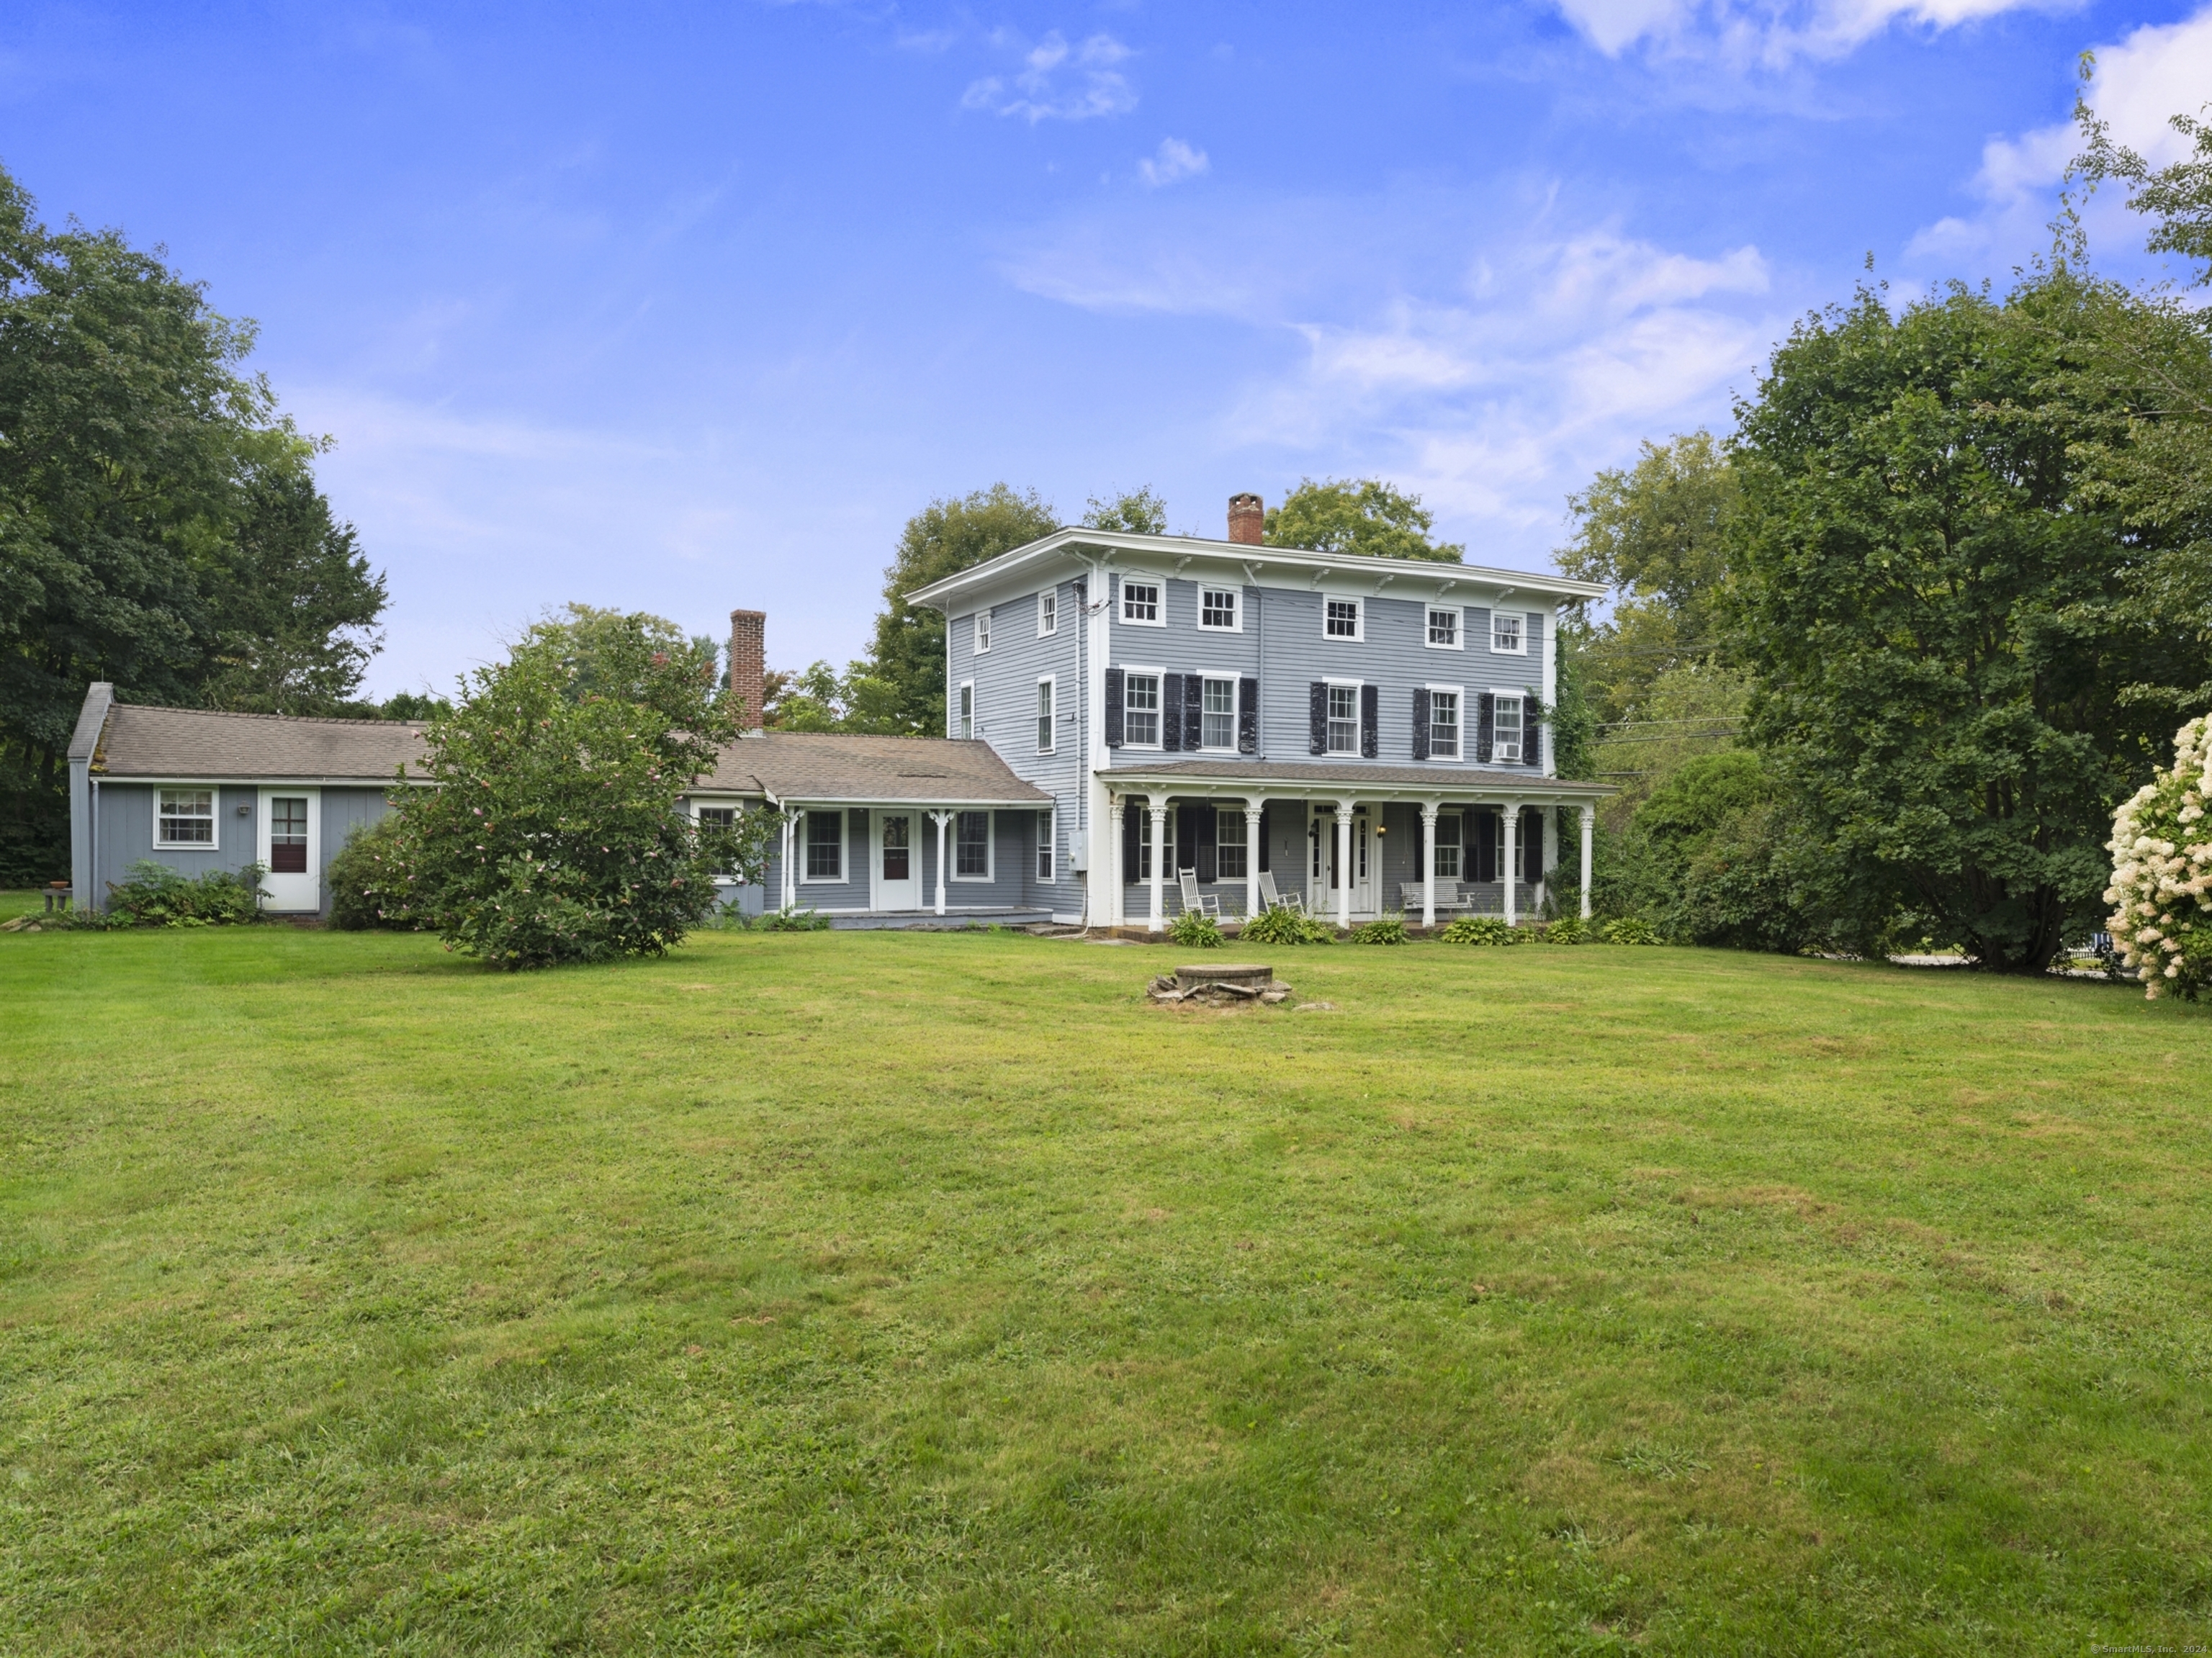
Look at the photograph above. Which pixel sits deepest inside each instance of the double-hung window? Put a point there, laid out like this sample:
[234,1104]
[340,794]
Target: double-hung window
[1505,634]
[186,818]
[1450,827]
[1045,846]
[982,631]
[971,845]
[1140,602]
[966,709]
[1229,845]
[1217,608]
[1044,716]
[1343,719]
[1443,724]
[1340,618]
[1144,832]
[723,819]
[1505,728]
[825,845]
[1140,710]
[1048,612]
[1217,714]
[1443,626]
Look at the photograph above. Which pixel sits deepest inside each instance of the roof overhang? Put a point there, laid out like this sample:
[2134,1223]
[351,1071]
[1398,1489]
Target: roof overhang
[1289,780]
[1069,551]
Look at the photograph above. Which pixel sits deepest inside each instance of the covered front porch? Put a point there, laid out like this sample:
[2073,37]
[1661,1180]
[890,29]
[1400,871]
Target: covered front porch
[1345,845]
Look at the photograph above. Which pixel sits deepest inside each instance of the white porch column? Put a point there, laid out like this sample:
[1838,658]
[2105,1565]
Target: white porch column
[1589,824]
[1343,863]
[787,888]
[1114,902]
[1509,854]
[1252,809]
[1157,808]
[1428,811]
[941,819]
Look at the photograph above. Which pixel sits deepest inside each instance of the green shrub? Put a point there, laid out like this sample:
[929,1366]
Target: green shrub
[1482,930]
[1629,930]
[1568,930]
[1383,930]
[371,882]
[1282,925]
[1195,930]
[153,895]
[792,921]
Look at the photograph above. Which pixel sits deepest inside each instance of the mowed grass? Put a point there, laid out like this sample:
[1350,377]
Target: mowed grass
[900,1294]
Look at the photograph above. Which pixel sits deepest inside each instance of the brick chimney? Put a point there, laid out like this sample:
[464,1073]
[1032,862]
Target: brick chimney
[1247,519]
[749,662]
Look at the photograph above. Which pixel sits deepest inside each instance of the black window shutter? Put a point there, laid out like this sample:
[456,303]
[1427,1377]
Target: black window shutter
[1193,712]
[1370,722]
[1485,706]
[1319,745]
[1247,716]
[1113,707]
[1133,832]
[1420,722]
[1264,869]
[1171,711]
[1532,732]
[1485,845]
[1532,836]
[1202,843]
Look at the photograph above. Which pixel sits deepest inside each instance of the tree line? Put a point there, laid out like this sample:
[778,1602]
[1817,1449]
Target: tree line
[1883,661]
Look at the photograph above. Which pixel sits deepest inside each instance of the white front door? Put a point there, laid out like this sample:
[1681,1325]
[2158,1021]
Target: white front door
[290,843]
[896,856]
[1323,875]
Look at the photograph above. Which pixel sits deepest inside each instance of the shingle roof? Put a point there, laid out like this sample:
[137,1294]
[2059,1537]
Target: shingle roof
[820,766]
[138,741]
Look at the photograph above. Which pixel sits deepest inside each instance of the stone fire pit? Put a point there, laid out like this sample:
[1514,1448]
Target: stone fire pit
[1220,984]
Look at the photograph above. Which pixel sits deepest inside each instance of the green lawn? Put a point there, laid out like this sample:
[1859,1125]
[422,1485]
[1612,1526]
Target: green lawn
[898,1294]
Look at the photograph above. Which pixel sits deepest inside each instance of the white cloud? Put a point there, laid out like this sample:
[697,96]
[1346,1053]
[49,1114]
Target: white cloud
[1092,84]
[2158,72]
[1767,33]
[1175,161]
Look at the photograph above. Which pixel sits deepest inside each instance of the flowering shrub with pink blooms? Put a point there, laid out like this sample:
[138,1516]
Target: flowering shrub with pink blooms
[2161,847]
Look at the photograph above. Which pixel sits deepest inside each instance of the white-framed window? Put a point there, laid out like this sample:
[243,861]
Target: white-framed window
[1444,628]
[967,721]
[1507,634]
[1048,612]
[982,631]
[1505,726]
[1228,845]
[1451,825]
[1340,618]
[971,845]
[1140,602]
[184,818]
[1217,714]
[1045,845]
[1443,722]
[1343,719]
[825,846]
[1046,687]
[717,817]
[1218,609]
[1141,709]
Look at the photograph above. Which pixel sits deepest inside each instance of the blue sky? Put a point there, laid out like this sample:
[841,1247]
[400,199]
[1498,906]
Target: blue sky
[683,308]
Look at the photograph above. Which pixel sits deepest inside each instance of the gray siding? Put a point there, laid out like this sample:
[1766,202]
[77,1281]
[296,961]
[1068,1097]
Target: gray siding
[126,830]
[1182,647]
[1006,678]
[1012,884]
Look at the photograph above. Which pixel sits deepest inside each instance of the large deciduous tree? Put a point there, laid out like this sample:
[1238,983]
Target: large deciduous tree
[1926,598]
[1362,516]
[159,526]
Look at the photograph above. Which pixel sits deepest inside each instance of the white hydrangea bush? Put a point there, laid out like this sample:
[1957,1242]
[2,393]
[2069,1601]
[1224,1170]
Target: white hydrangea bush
[2162,890]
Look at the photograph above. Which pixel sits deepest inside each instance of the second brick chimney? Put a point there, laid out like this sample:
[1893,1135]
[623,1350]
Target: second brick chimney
[749,662]
[1247,519]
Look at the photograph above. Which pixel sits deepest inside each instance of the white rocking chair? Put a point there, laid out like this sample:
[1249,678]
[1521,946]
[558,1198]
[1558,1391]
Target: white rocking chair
[1193,898]
[1271,899]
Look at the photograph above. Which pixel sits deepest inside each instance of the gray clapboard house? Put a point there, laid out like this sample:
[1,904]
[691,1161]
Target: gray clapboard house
[1126,717]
